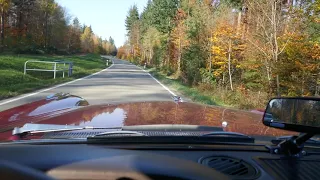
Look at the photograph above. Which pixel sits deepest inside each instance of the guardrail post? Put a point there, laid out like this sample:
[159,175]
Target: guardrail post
[70,69]
[54,70]
[64,68]
[25,68]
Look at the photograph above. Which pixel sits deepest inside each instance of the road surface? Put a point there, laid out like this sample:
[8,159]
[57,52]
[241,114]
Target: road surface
[122,82]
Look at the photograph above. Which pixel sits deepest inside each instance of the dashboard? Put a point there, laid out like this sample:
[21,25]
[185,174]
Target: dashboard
[123,162]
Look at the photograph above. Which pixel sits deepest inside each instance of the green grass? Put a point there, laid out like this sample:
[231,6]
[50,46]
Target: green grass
[13,82]
[189,92]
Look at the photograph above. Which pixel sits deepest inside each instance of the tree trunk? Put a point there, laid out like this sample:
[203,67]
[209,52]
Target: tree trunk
[179,57]
[245,10]
[223,79]
[2,30]
[278,86]
[45,30]
[269,74]
[150,56]
[239,22]
[229,65]
[275,41]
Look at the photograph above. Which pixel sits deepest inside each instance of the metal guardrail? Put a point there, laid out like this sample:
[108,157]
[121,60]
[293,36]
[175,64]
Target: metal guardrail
[54,67]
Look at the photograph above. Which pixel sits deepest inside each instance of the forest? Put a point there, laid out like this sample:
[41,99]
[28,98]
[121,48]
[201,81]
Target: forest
[242,52]
[44,27]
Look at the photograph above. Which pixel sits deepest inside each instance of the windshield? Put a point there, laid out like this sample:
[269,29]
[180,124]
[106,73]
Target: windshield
[194,62]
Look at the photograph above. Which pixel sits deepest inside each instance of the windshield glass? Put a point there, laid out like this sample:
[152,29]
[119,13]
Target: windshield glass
[143,62]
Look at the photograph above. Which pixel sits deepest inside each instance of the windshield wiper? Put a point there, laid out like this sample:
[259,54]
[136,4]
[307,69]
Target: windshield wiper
[29,129]
[223,133]
[140,137]
[119,133]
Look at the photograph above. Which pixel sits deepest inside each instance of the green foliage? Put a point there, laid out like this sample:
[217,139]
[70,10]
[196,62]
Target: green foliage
[193,61]
[252,80]
[162,13]
[133,16]
[207,77]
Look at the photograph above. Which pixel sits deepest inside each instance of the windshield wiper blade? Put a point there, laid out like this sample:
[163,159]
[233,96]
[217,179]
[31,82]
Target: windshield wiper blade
[119,133]
[44,128]
[224,133]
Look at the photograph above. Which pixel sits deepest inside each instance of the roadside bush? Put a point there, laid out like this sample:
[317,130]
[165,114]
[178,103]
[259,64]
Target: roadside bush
[62,52]
[28,50]
[240,98]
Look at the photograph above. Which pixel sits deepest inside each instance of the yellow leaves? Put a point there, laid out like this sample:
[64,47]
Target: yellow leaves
[221,63]
[224,41]
[5,4]
[214,39]
[216,73]
[217,50]
[316,51]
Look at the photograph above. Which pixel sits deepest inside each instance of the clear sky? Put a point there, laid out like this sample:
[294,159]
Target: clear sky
[106,17]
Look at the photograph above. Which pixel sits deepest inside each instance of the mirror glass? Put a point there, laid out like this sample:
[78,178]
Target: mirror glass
[304,112]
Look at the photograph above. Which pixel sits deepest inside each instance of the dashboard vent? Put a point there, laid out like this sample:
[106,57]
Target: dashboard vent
[234,168]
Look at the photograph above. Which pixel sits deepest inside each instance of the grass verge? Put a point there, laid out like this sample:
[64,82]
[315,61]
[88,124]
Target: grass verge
[211,95]
[192,93]
[13,82]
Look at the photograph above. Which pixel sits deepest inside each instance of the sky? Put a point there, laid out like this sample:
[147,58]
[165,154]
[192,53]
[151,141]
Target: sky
[107,17]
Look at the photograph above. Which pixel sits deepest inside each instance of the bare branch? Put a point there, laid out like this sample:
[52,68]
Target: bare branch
[284,46]
[259,48]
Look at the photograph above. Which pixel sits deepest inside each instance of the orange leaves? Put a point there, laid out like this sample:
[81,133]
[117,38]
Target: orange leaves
[180,15]
[225,41]
[316,51]
[121,54]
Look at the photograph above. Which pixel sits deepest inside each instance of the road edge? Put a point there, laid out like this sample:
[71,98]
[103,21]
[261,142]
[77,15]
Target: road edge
[183,99]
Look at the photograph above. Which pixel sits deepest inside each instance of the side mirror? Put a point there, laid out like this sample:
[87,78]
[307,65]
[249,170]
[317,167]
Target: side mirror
[294,114]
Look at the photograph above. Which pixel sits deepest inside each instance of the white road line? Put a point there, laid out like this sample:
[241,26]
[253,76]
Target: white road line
[165,87]
[54,87]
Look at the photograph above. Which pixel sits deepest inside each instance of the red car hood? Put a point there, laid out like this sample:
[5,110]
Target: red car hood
[73,110]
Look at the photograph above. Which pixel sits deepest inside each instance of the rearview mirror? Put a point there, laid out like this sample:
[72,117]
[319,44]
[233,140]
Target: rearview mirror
[294,114]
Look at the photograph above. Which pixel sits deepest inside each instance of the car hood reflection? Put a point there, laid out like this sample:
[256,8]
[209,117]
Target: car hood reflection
[148,113]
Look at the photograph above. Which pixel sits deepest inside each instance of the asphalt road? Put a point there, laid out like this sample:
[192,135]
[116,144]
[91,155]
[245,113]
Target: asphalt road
[122,82]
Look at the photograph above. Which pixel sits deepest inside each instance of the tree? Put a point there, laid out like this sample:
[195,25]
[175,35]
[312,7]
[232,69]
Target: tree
[162,14]
[239,49]
[132,25]
[74,41]
[48,7]
[4,6]
[132,18]
[111,41]
[268,27]
[179,36]
[86,40]
[151,40]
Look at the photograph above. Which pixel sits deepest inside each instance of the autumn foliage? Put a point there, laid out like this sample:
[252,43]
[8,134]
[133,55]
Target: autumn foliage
[43,26]
[244,52]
